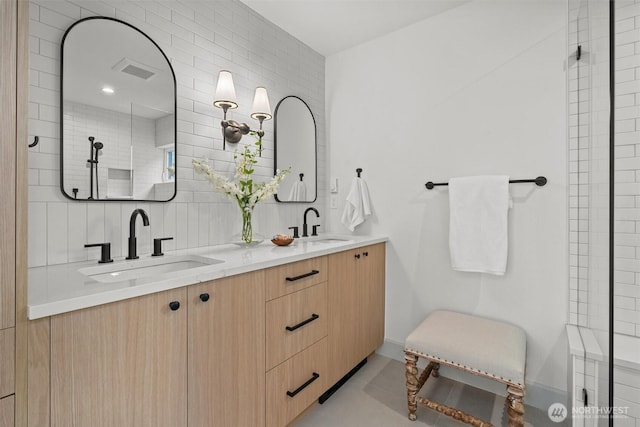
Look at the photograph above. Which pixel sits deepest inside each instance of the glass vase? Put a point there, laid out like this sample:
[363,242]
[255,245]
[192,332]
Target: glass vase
[247,236]
[247,227]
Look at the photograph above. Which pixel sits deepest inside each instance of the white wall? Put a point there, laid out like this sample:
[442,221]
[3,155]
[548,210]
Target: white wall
[477,90]
[200,38]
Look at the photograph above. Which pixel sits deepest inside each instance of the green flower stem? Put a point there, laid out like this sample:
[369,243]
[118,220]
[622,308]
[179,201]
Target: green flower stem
[247,228]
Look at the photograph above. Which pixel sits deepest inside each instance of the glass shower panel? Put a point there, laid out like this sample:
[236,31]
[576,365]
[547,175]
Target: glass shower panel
[588,97]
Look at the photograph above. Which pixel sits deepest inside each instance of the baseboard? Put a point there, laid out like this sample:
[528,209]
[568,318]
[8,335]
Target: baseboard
[538,395]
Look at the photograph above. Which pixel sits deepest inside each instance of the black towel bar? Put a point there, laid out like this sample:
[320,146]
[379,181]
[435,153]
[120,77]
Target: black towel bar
[539,181]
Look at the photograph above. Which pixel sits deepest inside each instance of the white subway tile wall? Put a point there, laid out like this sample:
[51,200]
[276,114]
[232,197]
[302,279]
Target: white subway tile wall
[627,149]
[588,207]
[200,38]
[626,392]
[587,185]
[588,168]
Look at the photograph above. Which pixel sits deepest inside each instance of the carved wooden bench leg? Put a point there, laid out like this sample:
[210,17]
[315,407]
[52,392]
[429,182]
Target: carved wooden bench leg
[411,371]
[515,406]
[436,371]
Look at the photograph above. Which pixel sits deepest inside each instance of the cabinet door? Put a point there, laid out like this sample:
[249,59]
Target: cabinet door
[227,352]
[344,298]
[371,281]
[356,307]
[121,364]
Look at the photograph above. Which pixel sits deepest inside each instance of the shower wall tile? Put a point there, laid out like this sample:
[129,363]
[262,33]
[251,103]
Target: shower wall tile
[627,90]
[200,38]
[588,163]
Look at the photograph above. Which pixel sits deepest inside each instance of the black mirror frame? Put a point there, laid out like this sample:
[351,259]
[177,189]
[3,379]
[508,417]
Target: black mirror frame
[315,148]
[175,113]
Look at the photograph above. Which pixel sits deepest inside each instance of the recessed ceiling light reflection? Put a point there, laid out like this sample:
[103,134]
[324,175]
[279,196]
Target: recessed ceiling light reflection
[108,90]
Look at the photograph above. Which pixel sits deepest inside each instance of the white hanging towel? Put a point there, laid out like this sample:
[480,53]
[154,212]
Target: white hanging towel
[358,205]
[298,192]
[478,210]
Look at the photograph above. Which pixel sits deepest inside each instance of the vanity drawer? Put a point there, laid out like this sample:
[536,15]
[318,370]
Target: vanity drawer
[294,322]
[289,378]
[293,277]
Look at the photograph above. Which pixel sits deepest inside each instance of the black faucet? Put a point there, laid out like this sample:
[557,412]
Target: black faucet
[304,224]
[133,244]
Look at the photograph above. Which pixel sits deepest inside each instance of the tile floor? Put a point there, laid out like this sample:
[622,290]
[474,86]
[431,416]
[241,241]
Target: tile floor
[376,397]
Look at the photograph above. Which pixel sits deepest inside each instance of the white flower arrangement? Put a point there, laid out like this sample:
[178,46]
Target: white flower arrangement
[242,188]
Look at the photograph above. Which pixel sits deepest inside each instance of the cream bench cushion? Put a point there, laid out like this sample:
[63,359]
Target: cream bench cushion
[487,347]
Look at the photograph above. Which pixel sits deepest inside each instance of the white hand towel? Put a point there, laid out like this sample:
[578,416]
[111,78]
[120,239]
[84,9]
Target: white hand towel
[298,192]
[358,205]
[478,208]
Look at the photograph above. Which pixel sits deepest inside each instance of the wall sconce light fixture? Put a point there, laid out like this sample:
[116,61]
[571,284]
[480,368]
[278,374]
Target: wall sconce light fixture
[232,130]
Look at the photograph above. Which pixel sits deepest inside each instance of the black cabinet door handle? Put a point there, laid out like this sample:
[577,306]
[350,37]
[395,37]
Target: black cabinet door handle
[174,305]
[302,276]
[365,253]
[204,297]
[357,256]
[303,386]
[304,322]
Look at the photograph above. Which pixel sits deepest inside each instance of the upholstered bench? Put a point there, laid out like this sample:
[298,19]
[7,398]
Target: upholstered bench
[480,346]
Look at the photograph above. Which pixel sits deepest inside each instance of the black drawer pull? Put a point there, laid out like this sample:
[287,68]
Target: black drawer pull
[304,322]
[204,297]
[174,305]
[302,276]
[365,253]
[303,386]
[357,256]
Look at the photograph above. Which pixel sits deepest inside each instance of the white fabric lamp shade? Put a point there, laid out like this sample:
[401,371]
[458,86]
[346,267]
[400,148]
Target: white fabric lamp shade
[225,91]
[261,108]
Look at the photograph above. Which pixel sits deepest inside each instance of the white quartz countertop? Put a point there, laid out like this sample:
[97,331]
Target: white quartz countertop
[62,288]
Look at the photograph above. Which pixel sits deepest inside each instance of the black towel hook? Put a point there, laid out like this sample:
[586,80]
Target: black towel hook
[35,142]
[359,171]
[301,176]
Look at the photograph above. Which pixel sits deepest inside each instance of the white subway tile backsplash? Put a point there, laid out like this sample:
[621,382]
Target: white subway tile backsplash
[57,233]
[96,8]
[62,17]
[114,229]
[96,223]
[37,234]
[182,231]
[77,226]
[200,38]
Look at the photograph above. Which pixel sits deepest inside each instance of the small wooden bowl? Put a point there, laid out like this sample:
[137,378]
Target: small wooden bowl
[281,240]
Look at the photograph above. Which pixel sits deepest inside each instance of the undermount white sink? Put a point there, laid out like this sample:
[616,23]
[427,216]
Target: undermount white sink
[149,267]
[325,239]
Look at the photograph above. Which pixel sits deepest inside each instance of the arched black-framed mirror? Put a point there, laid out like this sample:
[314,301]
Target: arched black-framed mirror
[117,114]
[295,140]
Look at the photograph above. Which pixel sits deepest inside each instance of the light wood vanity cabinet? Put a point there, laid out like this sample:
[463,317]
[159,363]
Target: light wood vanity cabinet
[121,364]
[253,350]
[356,307]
